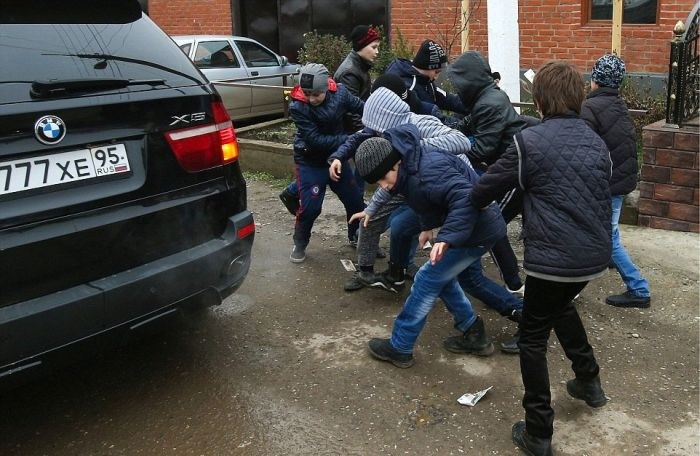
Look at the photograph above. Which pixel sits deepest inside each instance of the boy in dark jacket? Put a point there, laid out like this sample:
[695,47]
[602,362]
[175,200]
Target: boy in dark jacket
[563,168]
[436,186]
[606,113]
[318,108]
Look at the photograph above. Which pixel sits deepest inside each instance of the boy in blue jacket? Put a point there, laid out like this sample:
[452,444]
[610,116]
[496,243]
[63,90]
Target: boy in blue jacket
[318,108]
[436,186]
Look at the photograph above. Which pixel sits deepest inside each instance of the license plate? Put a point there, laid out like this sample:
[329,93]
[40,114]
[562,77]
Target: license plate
[56,169]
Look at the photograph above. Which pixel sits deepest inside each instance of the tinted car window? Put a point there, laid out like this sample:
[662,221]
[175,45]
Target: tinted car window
[42,52]
[255,55]
[215,54]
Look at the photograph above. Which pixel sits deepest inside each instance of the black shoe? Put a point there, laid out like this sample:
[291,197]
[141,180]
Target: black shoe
[291,202]
[369,279]
[587,390]
[396,275]
[383,350]
[511,345]
[531,445]
[628,299]
[298,254]
[515,315]
[473,341]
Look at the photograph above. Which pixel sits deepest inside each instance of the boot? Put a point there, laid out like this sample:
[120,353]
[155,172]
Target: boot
[395,274]
[531,445]
[587,390]
[290,201]
[383,350]
[473,341]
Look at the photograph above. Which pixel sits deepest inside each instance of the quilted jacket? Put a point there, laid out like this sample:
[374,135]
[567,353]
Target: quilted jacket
[563,168]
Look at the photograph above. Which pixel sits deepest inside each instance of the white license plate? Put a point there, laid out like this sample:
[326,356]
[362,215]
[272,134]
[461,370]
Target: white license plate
[56,169]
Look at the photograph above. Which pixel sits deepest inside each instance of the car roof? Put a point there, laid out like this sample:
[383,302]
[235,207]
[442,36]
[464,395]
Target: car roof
[209,37]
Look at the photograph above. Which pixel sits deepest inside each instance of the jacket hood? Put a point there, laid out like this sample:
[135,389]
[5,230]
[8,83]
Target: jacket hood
[298,94]
[384,110]
[405,139]
[470,74]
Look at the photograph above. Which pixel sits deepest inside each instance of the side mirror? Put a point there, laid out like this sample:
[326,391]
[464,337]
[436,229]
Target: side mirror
[284,61]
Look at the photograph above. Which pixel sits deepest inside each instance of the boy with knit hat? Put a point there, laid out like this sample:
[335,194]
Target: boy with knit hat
[317,109]
[437,186]
[419,75]
[606,113]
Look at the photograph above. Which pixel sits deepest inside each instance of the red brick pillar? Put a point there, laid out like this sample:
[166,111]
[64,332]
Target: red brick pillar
[668,191]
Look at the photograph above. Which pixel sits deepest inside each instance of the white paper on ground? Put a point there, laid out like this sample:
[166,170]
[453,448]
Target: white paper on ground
[348,265]
[471,399]
[427,245]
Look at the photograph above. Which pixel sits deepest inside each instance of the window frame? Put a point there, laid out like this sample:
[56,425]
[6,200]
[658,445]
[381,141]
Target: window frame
[587,11]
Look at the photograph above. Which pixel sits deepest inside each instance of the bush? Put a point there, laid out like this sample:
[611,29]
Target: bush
[327,49]
[387,54]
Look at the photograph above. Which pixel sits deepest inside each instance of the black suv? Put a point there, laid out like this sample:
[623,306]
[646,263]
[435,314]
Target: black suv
[121,196]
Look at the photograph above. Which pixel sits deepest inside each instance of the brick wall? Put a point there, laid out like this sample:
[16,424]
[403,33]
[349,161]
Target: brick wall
[551,29]
[187,17]
[668,191]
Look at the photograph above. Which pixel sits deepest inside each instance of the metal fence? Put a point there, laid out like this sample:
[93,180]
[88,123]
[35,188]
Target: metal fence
[684,72]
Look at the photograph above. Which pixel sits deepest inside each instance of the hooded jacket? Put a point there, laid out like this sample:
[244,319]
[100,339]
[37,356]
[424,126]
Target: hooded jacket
[320,128]
[426,89]
[563,168]
[353,73]
[606,113]
[493,119]
[437,186]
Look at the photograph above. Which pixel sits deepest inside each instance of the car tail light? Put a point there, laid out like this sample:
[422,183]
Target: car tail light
[246,230]
[207,146]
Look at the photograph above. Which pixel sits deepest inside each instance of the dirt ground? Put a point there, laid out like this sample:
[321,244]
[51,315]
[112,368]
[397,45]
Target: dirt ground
[318,391]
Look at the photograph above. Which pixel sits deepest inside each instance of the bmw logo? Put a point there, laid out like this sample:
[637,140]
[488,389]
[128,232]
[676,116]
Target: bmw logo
[49,130]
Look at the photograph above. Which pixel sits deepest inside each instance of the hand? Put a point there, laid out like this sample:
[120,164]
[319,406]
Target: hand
[335,170]
[358,216]
[438,251]
[424,237]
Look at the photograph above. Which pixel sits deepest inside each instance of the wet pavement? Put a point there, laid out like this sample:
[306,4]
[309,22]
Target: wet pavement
[281,368]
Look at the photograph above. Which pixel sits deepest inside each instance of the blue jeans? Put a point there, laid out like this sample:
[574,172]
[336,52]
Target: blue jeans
[432,282]
[636,284]
[405,228]
[311,184]
[476,284]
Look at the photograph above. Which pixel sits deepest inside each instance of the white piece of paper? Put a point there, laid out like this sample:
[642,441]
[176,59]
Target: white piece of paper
[348,265]
[530,75]
[471,399]
[427,245]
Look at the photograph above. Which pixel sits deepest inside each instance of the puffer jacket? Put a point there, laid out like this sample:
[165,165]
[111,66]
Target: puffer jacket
[437,187]
[606,113]
[353,73]
[426,89]
[493,119]
[563,168]
[320,128]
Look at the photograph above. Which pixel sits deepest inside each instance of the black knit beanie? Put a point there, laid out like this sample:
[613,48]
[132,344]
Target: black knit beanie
[362,35]
[374,158]
[430,56]
[394,83]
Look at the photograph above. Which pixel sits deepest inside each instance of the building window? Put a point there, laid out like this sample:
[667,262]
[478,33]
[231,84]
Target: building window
[633,11]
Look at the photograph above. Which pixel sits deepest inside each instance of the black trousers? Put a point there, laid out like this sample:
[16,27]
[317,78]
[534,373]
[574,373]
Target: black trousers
[548,305]
[502,252]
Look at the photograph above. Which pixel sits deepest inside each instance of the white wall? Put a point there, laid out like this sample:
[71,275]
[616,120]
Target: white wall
[504,44]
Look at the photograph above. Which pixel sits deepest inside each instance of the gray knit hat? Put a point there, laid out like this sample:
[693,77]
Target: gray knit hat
[384,110]
[374,158]
[608,71]
[314,76]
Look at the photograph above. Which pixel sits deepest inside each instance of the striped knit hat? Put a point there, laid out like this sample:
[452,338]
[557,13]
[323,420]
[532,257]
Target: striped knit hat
[384,110]
[374,158]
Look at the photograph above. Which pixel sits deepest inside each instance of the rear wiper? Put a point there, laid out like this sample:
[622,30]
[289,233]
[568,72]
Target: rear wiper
[58,87]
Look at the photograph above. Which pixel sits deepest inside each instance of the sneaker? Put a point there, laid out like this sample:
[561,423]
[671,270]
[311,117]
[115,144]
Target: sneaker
[531,445]
[587,390]
[628,299]
[515,315]
[519,292]
[369,279]
[473,341]
[511,345]
[298,254]
[291,202]
[396,275]
[383,350]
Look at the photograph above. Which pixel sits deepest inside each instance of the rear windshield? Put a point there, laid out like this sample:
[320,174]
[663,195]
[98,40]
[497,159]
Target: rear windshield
[128,46]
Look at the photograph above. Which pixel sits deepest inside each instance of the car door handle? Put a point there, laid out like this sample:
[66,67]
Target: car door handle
[254,73]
